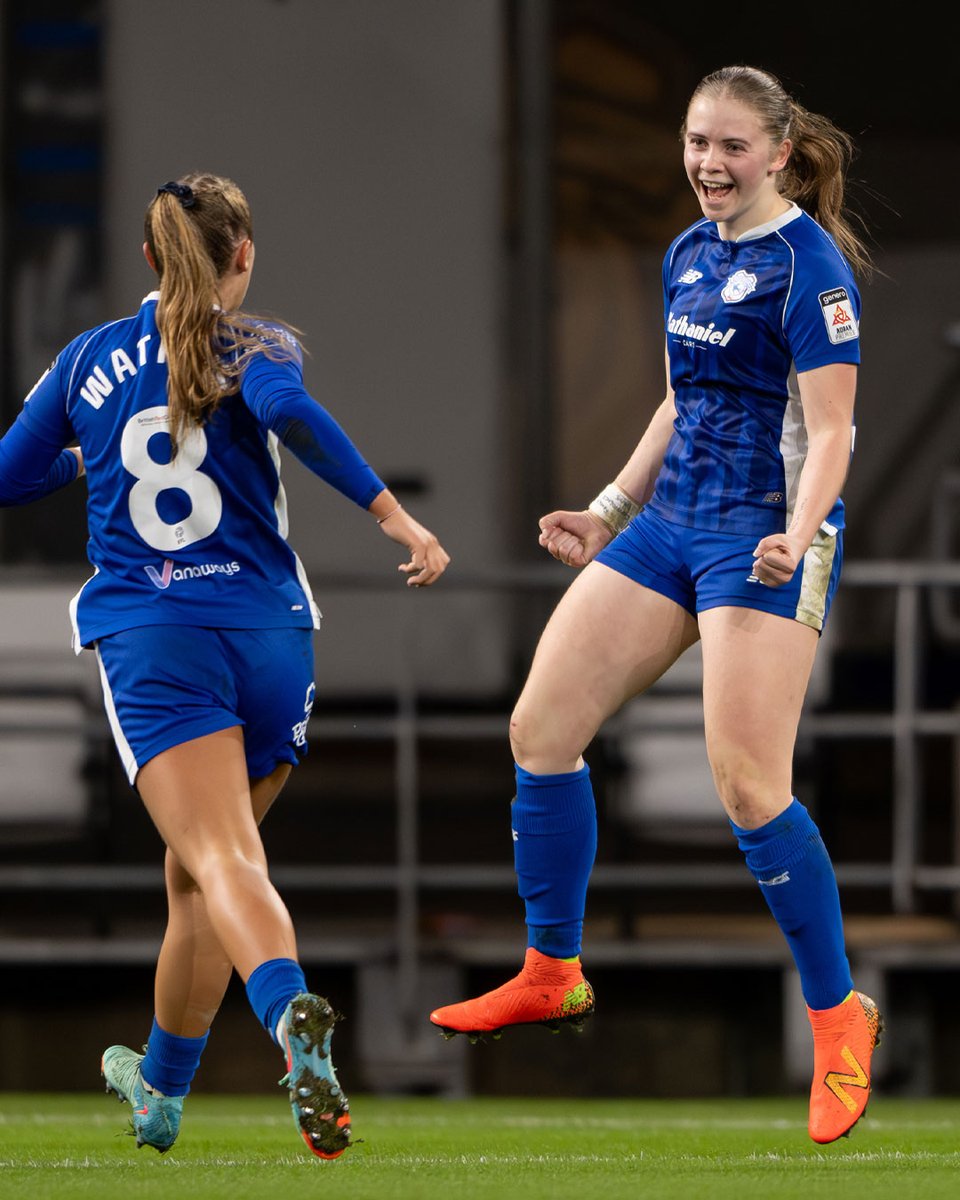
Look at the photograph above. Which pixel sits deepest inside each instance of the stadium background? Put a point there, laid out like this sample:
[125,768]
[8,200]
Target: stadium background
[464,203]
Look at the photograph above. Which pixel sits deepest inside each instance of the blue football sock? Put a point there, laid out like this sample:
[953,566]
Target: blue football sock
[171,1062]
[788,859]
[270,989]
[554,820]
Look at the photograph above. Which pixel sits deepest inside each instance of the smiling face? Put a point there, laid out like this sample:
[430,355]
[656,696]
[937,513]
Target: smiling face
[732,164]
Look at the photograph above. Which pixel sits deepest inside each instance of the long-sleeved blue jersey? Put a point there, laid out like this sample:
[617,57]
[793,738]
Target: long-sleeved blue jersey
[199,538]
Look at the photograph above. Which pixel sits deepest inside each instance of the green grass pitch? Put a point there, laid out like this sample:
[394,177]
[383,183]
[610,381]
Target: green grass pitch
[62,1147]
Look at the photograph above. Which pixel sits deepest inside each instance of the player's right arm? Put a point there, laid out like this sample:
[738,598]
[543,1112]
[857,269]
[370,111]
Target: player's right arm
[33,461]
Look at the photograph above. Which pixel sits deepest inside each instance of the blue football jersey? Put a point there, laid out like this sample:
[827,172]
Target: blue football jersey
[741,316]
[199,538]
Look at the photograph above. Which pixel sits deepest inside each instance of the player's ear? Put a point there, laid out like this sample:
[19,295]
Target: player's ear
[782,156]
[149,257]
[244,255]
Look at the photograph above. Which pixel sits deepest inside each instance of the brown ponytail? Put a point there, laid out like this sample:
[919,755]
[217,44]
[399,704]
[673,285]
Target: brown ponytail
[192,230]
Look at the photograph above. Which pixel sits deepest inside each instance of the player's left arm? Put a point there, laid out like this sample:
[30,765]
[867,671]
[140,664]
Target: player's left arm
[276,395]
[827,395]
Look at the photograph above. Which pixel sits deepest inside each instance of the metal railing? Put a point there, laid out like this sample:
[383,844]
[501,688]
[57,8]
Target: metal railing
[408,879]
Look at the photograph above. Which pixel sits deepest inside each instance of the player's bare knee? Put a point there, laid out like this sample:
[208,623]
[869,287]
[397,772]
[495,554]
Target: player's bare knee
[750,801]
[530,739]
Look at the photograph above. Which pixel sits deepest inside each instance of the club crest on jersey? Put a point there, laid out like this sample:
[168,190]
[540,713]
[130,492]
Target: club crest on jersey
[690,276]
[838,314]
[738,287]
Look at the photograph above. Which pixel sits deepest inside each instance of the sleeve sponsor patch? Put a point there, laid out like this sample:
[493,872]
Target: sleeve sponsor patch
[838,315]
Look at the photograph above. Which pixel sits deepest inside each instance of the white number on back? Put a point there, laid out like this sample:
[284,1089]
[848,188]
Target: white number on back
[182,473]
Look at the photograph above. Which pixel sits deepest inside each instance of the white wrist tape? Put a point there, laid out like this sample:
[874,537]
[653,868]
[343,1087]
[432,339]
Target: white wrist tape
[614,507]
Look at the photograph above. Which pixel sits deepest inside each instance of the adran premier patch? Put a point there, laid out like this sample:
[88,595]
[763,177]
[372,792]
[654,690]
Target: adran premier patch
[838,315]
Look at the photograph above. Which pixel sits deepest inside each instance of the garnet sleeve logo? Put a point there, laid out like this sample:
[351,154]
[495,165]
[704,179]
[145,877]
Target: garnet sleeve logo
[838,315]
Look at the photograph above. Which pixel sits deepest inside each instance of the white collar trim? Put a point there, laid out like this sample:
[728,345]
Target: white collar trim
[760,231]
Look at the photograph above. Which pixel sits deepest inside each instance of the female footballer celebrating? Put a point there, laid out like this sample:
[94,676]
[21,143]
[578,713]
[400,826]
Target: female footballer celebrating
[202,620]
[724,525]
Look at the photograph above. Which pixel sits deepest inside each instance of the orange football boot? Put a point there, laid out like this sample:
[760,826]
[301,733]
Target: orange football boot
[844,1038]
[548,991]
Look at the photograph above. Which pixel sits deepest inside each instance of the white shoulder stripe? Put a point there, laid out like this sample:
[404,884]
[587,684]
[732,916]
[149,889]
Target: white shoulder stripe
[793,272]
[686,233]
[100,329]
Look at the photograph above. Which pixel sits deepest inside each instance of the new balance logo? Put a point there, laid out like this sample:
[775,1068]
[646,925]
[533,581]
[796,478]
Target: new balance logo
[782,878]
[575,998]
[836,1081]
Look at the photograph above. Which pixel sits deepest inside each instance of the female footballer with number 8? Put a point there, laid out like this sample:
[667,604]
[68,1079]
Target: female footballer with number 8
[202,620]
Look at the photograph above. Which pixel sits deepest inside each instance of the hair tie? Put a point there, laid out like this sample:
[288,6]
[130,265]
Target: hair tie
[182,191]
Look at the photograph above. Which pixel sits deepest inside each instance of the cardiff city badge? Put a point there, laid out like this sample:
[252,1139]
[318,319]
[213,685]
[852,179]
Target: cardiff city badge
[738,287]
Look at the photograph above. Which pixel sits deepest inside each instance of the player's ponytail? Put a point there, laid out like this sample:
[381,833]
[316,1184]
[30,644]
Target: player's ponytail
[815,176]
[193,227]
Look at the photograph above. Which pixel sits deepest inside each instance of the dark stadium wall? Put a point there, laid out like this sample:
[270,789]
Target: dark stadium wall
[367,137]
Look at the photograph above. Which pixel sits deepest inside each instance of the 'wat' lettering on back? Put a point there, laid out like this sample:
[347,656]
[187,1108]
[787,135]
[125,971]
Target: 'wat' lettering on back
[122,367]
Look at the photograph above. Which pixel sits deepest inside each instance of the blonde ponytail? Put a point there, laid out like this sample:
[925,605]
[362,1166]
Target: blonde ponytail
[193,227]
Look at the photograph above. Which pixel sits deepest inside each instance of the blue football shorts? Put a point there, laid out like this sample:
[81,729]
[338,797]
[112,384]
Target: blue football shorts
[168,684]
[699,569]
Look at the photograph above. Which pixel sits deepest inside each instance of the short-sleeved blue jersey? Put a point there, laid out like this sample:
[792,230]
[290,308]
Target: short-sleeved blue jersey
[199,538]
[741,316]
